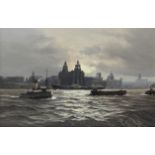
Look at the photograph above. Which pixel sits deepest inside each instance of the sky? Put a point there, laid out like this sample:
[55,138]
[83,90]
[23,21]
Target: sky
[125,52]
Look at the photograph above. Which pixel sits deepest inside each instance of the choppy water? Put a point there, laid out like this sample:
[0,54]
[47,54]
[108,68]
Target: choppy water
[77,108]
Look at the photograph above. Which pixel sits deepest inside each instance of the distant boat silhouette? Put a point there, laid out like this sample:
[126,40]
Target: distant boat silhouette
[96,92]
[151,91]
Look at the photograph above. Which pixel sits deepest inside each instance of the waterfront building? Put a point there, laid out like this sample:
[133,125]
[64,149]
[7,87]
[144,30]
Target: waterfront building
[99,82]
[89,81]
[53,80]
[14,79]
[12,82]
[34,78]
[95,82]
[112,83]
[77,75]
[64,75]
[141,82]
[74,77]
[1,79]
[99,76]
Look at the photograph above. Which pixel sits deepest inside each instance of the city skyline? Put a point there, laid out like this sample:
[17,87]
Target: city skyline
[104,77]
[75,78]
[125,52]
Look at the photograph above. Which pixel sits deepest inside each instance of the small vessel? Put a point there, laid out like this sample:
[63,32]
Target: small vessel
[151,91]
[37,92]
[96,92]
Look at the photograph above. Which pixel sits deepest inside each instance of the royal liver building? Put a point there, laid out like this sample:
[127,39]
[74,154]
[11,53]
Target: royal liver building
[74,77]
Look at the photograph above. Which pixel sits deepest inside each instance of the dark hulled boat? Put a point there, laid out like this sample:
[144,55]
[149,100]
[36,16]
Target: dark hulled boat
[37,94]
[96,92]
[150,92]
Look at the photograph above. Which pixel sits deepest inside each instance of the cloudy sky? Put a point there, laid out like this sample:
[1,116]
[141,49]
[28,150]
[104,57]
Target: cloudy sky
[126,52]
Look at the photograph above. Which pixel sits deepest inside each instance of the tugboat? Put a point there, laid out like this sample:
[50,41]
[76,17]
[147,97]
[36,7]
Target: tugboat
[151,91]
[96,92]
[37,92]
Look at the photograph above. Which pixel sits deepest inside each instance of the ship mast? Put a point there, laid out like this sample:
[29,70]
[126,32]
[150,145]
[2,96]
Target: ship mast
[46,80]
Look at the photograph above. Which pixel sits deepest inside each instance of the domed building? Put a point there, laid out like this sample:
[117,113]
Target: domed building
[112,83]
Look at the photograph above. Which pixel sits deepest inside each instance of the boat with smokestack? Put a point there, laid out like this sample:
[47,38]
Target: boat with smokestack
[38,92]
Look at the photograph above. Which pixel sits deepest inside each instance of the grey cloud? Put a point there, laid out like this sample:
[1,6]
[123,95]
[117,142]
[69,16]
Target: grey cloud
[24,50]
[123,51]
[137,57]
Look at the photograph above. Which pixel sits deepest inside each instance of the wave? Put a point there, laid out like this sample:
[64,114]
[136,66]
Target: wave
[9,96]
[65,110]
[142,118]
[10,108]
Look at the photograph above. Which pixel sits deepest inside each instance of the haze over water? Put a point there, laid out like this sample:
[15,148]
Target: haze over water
[77,108]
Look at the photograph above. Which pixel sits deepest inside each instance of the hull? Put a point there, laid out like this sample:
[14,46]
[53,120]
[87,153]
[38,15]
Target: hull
[150,92]
[36,95]
[106,93]
[74,88]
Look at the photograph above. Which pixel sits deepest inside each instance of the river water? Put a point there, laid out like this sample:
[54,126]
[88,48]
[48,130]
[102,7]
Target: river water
[77,108]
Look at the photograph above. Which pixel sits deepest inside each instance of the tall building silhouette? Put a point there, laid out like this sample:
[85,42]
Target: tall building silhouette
[75,77]
[141,82]
[64,75]
[78,75]
[112,82]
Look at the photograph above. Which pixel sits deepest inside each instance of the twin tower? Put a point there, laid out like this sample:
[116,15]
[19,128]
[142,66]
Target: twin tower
[74,77]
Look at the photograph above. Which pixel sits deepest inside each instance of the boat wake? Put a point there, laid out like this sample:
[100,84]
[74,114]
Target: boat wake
[53,97]
[9,96]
